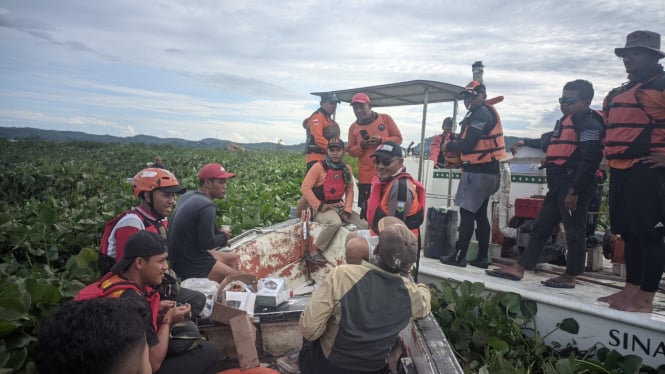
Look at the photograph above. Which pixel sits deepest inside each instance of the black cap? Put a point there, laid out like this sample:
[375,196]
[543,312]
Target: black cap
[329,97]
[335,142]
[141,244]
[388,150]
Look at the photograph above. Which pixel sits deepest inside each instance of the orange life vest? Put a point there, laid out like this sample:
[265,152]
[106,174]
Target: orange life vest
[566,142]
[330,130]
[490,147]
[113,286]
[379,202]
[333,188]
[630,132]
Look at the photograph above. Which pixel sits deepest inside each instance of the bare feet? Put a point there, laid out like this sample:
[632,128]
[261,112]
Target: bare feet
[640,302]
[628,291]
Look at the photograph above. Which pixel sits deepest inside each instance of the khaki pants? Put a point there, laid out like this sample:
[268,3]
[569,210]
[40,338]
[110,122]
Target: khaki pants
[331,222]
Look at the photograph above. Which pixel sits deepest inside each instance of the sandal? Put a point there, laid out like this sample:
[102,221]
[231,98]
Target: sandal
[557,283]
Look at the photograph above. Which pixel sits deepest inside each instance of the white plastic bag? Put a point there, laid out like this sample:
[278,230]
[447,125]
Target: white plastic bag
[208,288]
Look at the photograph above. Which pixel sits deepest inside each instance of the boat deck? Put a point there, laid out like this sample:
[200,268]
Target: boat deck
[630,333]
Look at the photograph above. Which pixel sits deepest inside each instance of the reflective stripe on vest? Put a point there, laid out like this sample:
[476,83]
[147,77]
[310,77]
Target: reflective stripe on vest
[490,147]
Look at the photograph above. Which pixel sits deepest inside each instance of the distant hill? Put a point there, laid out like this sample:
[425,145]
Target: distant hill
[207,143]
[69,136]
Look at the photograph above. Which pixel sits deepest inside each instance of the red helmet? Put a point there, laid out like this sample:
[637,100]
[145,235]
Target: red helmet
[151,179]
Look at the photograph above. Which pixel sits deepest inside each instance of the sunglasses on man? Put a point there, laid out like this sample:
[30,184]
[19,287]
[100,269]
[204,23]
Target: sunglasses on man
[567,100]
[384,161]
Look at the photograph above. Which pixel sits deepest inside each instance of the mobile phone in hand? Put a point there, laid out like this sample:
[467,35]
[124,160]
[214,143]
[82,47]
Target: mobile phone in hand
[364,134]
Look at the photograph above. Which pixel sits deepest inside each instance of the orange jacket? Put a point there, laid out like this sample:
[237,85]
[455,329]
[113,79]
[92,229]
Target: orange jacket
[630,113]
[320,128]
[383,126]
[382,197]
[490,146]
[563,146]
[316,177]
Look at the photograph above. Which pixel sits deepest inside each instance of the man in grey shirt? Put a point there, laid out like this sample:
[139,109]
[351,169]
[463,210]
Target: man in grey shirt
[193,232]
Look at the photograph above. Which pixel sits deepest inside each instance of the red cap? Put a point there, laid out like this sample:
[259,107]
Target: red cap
[214,171]
[360,98]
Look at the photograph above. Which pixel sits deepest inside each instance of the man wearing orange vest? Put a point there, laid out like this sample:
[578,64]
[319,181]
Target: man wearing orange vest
[481,146]
[141,268]
[320,129]
[328,188]
[368,131]
[635,149]
[573,152]
[394,193]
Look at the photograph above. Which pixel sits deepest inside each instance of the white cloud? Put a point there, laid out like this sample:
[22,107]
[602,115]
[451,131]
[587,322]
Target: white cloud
[243,71]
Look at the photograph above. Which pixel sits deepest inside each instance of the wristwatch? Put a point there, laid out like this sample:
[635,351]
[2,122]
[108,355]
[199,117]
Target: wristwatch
[571,191]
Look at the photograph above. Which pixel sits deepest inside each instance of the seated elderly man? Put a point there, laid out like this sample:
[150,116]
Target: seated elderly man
[379,299]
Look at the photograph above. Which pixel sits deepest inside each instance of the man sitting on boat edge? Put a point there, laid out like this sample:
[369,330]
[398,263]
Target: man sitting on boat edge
[404,199]
[380,298]
[194,235]
[328,188]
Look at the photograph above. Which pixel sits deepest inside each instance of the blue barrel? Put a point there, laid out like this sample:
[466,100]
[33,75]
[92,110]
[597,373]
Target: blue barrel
[441,232]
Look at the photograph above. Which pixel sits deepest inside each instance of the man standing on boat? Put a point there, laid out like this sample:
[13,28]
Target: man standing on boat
[194,235]
[573,152]
[634,150]
[368,131]
[328,188]
[394,192]
[320,128]
[355,316]
[481,146]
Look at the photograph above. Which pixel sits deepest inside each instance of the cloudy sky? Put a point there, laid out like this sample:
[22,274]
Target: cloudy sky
[244,70]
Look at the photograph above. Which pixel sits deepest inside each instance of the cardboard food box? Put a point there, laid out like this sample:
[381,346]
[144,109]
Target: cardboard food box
[237,303]
[244,338]
[272,292]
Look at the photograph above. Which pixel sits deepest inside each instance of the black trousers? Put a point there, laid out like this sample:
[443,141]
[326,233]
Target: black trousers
[312,361]
[482,223]
[204,359]
[551,214]
[637,213]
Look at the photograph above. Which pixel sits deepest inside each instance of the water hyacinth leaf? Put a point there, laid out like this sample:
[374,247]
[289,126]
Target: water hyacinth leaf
[42,292]
[47,215]
[17,359]
[19,341]
[7,327]
[479,338]
[512,302]
[529,308]
[14,304]
[630,364]
[498,345]
[569,325]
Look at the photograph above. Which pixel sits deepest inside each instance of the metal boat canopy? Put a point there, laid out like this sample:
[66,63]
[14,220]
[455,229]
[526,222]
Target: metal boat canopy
[407,93]
[403,93]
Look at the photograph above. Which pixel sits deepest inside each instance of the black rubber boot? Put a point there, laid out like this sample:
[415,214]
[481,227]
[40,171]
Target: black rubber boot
[481,261]
[456,259]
